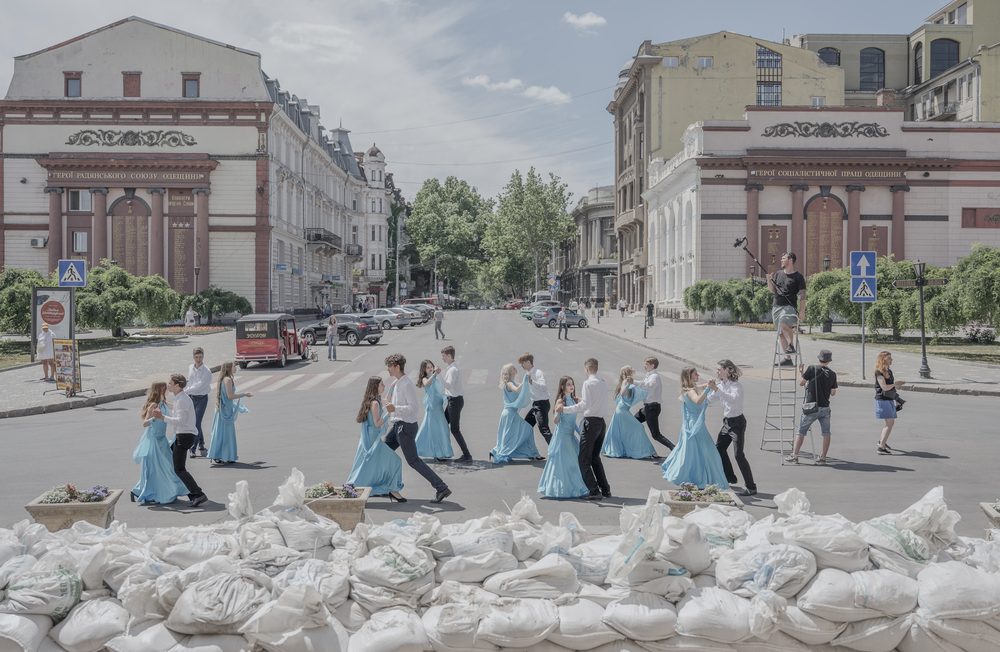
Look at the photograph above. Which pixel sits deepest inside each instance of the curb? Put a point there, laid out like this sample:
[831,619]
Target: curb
[956,391]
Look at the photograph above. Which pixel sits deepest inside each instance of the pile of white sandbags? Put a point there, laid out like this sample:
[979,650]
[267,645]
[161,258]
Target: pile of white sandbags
[287,580]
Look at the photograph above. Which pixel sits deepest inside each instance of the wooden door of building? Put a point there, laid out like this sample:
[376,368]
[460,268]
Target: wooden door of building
[824,235]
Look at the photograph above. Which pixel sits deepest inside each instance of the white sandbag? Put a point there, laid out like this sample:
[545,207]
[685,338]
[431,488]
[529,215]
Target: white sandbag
[50,593]
[592,558]
[526,510]
[213,643]
[141,601]
[184,547]
[420,529]
[783,568]
[875,635]
[453,627]
[528,540]
[792,502]
[721,525]
[685,644]
[884,591]
[15,566]
[36,540]
[23,633]
[757,533]
[684,544]
[831,595]
[766,608]
[549,578]
[704,581]
[982,554]
[10,546]
[351,615]
[670,587]
[473,543]
[474,568]
[831,538]
[90,625]
[401,566]
[642,617]
[121,561]
[597,594]
[715,614]
[969,635]
[157,638]
[306,535]
[259,532]
[273,560]
[391,630]
[331,580]
[777,642]
[805,627]
[650,569]
[238,503]
[581,626]
[87,562]
[171,585]
[954,590]
[569,521]
[377,598]
[642,532]
[297,621]
[518,622]
[451,591]
[219,604]
[895,549]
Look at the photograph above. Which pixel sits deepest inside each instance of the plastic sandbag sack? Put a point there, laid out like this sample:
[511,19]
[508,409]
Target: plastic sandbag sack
[581,626]
[518,622]
[715,614]
[453,626]
[273,560]
[219,604]
[721,525]
[51,593]
[90,625]
[642,617]
[14,567]
[569,521]
[526,510]
[805,627]
[23,633]
[35,538]
[681,644]
[171,585]
[401,566]
[10,546]
[792,502]
[784,569]
[456,592]
[391,630]
[238,503]
[419,529]
[297,621]
[86,561]
[352,615]
[684,544]
[184,547]
[549,578]
[955,590]
[157,638]
[642,534]
[908,541]
[475,568]
[884,591]
[875,635]
[473,543]
[592,558]
[831,595]
[831,538]
[331,580]
[213,643]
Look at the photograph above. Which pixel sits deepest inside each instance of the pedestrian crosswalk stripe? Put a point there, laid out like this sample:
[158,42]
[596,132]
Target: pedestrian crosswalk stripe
[315,380]
[287,380]
[347,380]
[478,377]
[250,382]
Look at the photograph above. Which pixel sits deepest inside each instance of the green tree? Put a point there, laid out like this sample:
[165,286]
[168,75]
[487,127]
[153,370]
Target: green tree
[693,296]
[975,286]
[216,301]
[15,298]
[115,298]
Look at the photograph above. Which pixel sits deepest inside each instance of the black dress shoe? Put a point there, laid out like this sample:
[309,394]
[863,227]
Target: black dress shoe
[596,496]
[200,500]
[464,458]
[441,495]
[748,492]
[606,494]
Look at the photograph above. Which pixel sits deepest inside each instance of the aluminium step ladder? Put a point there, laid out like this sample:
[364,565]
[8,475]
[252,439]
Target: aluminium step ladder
[783,410]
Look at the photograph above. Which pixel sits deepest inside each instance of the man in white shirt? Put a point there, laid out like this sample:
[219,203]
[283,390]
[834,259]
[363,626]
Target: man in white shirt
[198,386]
[189,320]
[540,406]
[650,412]
[46,352]
[594,402]
[403,407]
[563,325]
[182,420]
[454,391]
[729,391]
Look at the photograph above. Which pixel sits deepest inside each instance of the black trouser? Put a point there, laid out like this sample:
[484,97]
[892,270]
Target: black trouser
[591,466]
[179,449]
[650,415]
[453,415]
[403,435]
[734,429]
[200,402]
[562,328]
[437,329]
[539,413]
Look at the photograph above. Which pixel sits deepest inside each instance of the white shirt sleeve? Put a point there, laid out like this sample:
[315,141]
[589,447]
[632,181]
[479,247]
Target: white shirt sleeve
[538,378]
[582,404]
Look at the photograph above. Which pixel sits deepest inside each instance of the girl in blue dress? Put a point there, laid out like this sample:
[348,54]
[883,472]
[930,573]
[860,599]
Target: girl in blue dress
[375,464]
[515,438]
[433,438]
[158,484]
[626,436]
[227,407]
[695,459]
[561,477]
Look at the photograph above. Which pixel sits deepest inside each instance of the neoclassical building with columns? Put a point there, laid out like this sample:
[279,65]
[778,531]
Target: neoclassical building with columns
[822,183]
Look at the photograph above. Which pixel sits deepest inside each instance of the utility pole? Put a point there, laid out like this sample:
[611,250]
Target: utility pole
[399,219]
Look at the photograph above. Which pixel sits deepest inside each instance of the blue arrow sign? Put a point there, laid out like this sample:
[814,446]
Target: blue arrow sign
[863,289]
[72,273]
[862,263]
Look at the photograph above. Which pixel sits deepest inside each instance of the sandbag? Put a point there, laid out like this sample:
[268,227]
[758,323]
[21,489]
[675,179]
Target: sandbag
[808,628]
[721,525]
[684,545]
[581,626]
[453,626]
[549,578]
[642,532]
[90,625]
[351,615]
[831,538]
[218,605]
[157,638]
[51,593]
[783,568]
[776,642]
[651,569]
[13,567]
[420,529]
[213,643]
[473,543]
[954,590]
[10,546]
[86,561]
[450,591]
[330,580]
[474,568]
[831,595]
[642,617]
[273,560]
[884,591]
[592,558]
[391,630]
[23,633]
[297,621]
[305,535]
[684,644]
[969,635]
[874,635]
[184,547]
[518,622]
[171,585]
[401,566]
[715,614]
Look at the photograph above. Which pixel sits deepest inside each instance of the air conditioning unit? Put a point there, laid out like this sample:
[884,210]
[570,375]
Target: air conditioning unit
[39,243]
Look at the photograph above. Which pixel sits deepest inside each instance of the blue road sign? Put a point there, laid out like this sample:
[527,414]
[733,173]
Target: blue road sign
[862,263]
[72,273]
[863,289]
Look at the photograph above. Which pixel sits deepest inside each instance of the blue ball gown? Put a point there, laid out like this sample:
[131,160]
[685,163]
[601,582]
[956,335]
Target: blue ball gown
[157,481]
[223,446]
[434,438]
[375,464]
[695,460]
[561,477]
[626,436]
[515,438]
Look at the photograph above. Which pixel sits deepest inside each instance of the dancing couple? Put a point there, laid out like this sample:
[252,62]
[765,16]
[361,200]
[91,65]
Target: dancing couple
[443,404]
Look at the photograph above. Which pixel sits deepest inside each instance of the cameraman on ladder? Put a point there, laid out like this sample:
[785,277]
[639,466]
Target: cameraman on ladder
[787,285]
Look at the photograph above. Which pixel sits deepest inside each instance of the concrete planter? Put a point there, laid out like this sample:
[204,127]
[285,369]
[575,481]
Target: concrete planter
[991,514]
[347,512]
[59,516]
[682,507]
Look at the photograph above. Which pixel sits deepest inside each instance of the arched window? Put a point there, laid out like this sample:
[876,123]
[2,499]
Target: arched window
[918,63]
[830,56]
[872,69]
[944,55]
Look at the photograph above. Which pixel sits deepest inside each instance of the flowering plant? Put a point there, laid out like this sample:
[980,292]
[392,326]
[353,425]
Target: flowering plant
[330,490]
[68,493]
[689,492]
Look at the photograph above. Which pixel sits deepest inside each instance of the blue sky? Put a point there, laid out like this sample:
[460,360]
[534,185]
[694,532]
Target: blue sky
[472,88]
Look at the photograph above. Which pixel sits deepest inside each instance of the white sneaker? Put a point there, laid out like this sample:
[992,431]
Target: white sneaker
[792,459]
[820,461]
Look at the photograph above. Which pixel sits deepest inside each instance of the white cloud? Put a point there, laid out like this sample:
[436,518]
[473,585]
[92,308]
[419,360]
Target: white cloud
[547,94]
[587,22]
[544,94]
[484,81]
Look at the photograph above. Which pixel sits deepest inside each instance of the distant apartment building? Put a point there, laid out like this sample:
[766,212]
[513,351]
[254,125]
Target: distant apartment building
[587,266]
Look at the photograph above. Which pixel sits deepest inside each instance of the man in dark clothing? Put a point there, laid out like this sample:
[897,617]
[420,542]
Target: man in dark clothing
[821,383]
[786,285]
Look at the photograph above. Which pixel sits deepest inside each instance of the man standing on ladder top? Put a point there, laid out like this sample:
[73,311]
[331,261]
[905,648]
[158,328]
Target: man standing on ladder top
[786,285]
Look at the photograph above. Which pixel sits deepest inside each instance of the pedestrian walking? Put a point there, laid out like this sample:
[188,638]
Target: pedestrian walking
[227,408]
[626,438]
[695,460]
[332,338]
[158,483]
[375,464]
[182,420]
[540,406]
[574,305]
[189,320]
[887,400]
[515,438]
[729,391]
[621,306]
[45,351]
[594,405]
[788,287]
[650,411]
[821,383]
[454,391]
[402,408]
[433,438]
[563,324]
[561,477]
[199,385]
[438,320]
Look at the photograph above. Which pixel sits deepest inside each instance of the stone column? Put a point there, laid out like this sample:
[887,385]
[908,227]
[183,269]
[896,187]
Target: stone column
[55,226]
[853,219]
[798,220]
[753,218]
[898,238]
[201,238]
[99,226]
[156,233]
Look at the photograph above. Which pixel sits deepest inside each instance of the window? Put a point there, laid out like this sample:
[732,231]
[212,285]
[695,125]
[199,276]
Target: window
[962,14]
[380,261]
[72,84]
[130,84]
[373,233]
[373,205]
[354,235]
[191,82]
[872,69]
[671,62]
[767,58]
[829,56]
[354,204]
[918,63]
[373,262]
[380,234]
[817,101]
[944,55]
[768,77]
[706,62]
[379,204]
[79,200]
[79,242]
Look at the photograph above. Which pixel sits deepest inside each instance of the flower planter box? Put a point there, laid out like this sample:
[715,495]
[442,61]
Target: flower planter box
[347,512]
[59,516]
[682,507]
[991,514]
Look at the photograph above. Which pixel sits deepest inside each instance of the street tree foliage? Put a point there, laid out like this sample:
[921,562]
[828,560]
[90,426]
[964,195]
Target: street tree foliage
[15,298]
[115,298]
[214,301]
[742,298]
[976,286]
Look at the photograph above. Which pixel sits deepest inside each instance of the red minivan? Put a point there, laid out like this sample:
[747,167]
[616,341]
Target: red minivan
[268,338]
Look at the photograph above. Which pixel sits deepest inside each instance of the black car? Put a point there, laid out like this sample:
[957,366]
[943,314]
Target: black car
[351,329]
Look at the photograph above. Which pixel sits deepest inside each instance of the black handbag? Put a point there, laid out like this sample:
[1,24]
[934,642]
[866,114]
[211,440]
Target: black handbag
[810,407]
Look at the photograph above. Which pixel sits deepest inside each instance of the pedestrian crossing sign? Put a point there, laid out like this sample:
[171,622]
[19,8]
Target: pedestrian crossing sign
[863,289]
[72,273]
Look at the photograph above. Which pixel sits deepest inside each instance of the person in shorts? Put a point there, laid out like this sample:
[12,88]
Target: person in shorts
[821,383]
[787,311]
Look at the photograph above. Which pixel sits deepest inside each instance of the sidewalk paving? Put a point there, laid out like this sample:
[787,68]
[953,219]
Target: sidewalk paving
[703,345]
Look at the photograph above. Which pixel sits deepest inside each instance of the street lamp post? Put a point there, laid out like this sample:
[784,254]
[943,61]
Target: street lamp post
[918,270]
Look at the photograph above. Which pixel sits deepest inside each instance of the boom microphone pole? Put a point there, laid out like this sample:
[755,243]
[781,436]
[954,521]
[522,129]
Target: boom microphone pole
[742,243]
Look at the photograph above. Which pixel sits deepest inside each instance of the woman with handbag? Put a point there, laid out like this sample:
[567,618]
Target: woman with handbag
[821,383]
[887,400]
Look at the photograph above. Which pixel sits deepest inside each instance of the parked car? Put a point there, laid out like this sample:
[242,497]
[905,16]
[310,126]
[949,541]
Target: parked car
[351,328]
[549,316]
[529,311]
[388,319]
[419,316]
[515,304]
[407,318]
[268,338]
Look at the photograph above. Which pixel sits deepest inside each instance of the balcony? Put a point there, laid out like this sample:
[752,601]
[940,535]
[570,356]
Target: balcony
[324,239]
[942,111]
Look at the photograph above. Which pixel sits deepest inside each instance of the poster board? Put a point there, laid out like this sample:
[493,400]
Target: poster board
[67,359]
[54,306]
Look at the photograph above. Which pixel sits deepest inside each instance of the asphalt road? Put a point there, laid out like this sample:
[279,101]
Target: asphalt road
[303,416]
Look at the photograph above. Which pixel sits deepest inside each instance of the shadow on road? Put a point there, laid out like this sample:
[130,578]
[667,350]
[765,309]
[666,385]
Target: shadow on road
[922,454]
[867,467]
[253,466]
[182,507]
